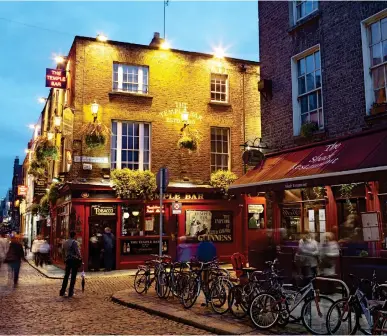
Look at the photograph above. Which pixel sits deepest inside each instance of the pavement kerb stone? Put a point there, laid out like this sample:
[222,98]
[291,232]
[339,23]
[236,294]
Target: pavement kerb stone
[31,263]
[172,317]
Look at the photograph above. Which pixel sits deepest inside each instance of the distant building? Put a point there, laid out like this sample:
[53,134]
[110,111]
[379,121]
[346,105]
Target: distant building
[17,179]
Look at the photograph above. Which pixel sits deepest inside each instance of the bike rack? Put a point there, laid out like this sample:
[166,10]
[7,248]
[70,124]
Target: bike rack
[336,280]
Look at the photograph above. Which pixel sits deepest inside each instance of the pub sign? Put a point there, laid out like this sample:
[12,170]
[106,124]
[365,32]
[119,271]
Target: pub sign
[56,78]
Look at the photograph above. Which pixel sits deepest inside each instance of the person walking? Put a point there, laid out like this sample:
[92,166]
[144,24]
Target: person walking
[14,256]
[308,252]
[35,249]
[44,253]
[73,261]
[108,247]
[3,248]
[330,251]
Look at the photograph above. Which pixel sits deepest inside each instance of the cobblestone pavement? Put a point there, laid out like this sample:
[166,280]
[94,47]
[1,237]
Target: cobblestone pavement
[34,307]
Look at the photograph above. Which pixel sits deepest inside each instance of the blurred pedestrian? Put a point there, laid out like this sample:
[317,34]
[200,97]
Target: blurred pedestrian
[44,253]
[308,253]
[95,252]
[329,253]
[73,261]
[206,250]
[3,248]
[35,249]
[14,257]
[108,247]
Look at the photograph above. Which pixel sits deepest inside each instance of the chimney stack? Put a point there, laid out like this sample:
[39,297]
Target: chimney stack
[156,41]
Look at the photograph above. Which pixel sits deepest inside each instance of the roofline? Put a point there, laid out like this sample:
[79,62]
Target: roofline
[144,46]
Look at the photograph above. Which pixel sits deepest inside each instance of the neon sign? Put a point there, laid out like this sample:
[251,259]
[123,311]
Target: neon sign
[56,78]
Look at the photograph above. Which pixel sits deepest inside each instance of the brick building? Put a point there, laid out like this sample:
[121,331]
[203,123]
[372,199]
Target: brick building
[148,97]
[323,83]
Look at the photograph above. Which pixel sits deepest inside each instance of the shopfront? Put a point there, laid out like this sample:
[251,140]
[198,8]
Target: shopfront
[326,187]
[136,223]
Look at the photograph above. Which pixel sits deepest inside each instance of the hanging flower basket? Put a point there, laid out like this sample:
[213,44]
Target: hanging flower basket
[128,183]
[187,142]
[45,149]
[38,168]
[222,179]
[95,134]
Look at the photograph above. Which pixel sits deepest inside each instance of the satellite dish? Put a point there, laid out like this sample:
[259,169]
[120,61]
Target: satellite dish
[252,157]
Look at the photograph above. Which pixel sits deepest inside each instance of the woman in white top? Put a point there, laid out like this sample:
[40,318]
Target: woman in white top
[308,251]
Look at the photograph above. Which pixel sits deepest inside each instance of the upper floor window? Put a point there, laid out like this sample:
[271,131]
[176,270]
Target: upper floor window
[307,92]
[220,148]
[219,88]
[378,51]
[130,78]
[130,145]
[303,8]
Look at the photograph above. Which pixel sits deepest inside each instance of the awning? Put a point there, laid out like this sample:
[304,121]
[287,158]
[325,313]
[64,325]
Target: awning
[357,158]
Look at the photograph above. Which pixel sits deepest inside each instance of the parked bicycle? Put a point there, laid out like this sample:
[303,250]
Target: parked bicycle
[357,312]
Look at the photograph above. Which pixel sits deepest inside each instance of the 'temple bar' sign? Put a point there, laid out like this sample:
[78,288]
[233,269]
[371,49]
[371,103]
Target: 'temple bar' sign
[56,78]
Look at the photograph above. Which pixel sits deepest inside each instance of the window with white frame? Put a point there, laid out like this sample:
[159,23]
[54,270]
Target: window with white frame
[307,72]
[220,148]
[130,145]
[219,88]
[130,78]
[378,52]
[303,8]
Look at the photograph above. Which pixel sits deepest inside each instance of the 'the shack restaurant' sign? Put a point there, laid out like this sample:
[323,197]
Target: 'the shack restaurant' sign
[56,78]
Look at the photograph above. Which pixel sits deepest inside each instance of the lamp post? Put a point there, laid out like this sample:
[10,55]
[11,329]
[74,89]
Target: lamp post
[94,110]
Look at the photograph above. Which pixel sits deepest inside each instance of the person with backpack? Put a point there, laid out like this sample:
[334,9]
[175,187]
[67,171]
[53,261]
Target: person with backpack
[73,261]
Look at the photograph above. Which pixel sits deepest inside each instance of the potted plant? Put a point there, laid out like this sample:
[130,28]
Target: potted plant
[308,129]
[45,149]
[187,142]
[127,183]
[95,134]
[38,168]
[222,179]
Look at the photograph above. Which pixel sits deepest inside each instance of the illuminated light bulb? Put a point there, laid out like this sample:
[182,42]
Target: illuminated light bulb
[165,45]
[31,126]
[126,215]
[50,135]
[219,52]
[101,38]
[57,121]
[42,100]
[135,213]
[59,59]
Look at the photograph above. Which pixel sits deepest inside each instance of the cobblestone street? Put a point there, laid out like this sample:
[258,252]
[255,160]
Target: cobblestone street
[35,307]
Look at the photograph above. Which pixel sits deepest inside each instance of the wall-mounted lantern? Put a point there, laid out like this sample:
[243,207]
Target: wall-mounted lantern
[57,121]
[94,110]
[184,118]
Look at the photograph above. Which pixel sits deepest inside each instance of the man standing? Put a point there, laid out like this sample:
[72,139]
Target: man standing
[108,246]
[73,262]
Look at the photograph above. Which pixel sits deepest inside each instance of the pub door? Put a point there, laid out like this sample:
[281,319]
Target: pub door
[97,225]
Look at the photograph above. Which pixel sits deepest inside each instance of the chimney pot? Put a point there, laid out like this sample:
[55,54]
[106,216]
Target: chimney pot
[156,41]
[156,35]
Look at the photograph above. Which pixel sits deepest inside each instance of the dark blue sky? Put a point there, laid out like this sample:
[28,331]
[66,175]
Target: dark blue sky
[26,51]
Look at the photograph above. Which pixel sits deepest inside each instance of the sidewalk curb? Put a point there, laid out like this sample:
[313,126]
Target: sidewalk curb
[191,323]
[41,272]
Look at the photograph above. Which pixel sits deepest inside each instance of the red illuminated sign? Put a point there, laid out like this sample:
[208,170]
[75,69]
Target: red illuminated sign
[56,78]
[22,190]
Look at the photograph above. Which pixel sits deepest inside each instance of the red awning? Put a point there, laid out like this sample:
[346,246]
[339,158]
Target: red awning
[356,159]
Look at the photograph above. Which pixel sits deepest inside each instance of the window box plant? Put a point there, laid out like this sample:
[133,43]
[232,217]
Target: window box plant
[222,179]
[308,129]
[127,182]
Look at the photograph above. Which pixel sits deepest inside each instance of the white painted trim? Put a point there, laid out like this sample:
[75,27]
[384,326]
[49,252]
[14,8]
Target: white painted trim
[294,77]
[368,85]
[141,147]
[310,177]
[119,145]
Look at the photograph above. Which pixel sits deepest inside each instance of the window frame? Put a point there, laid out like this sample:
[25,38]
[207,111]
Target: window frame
[297,19]
[221,93]
[140,75]
[367,60]
[141,150]
[296,103]
[222,153]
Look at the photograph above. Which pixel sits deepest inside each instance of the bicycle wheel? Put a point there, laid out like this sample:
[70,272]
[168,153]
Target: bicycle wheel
[219,293]
[342,318]
[236,302]
[190,292]
[162,287]
[265,311]
[140,281]
[314,314]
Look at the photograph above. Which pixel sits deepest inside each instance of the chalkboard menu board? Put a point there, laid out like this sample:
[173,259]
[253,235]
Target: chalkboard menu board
[142,246]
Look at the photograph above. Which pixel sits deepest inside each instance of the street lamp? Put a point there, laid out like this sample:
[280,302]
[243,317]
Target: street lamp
[57,121]
[219,52]
[59,59]
[165,45]
[94,110]
[50,136]
[184,118]
[42,100]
